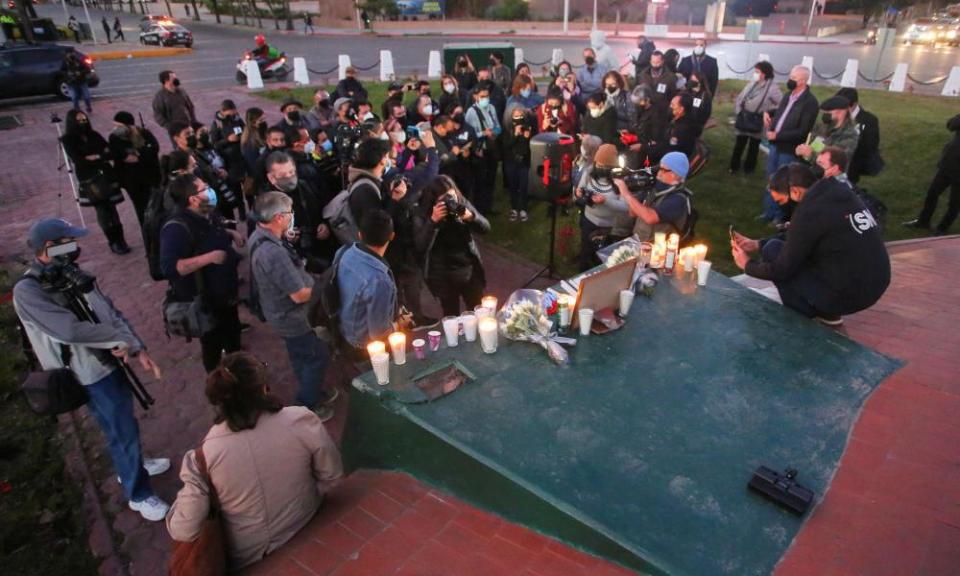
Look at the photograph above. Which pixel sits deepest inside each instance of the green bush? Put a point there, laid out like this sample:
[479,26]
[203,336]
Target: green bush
[509,10]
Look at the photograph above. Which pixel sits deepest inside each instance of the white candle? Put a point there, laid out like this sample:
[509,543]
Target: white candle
[398,345]
[469,326]
[375,347]
[482,312]
[381,367]
[565,306]
[489,302]
[488,335]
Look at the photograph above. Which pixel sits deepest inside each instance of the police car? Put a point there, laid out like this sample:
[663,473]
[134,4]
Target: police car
[166,33]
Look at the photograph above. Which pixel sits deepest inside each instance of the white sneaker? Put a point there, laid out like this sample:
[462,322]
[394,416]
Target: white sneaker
[153,508]
[523,215]
[153,466]
[513,216]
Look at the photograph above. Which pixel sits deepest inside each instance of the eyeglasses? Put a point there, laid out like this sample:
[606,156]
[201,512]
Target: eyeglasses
[665,169]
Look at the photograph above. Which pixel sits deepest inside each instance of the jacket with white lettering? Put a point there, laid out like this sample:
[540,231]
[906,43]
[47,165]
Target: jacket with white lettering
[833,235]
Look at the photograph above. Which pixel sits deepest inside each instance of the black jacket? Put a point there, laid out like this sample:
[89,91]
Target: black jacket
[146,169]
[350,88]
[866,159]
[681,136]
[516,148]
[604,127]
[798,122]
[833,236]
[706,66]
[950,159]
[220,129]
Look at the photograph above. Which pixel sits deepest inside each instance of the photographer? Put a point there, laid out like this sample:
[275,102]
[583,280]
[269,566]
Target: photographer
[601,204]
[90,350]
[556,115]
[365,175]
[669,206]
[443,230]
[516,161]
[213,169]
[482,117]
[198,257]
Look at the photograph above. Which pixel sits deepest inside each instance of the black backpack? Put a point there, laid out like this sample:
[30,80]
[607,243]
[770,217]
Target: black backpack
[326,310]
[156,215]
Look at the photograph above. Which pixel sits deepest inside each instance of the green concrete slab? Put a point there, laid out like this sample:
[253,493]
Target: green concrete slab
[641,449]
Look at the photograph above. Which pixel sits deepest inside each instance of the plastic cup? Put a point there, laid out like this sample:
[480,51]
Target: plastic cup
[488,335]
[420,348]
[703,271]
[398,345]
[586,320]
[451,330]
[433,337]
[469,321]
[626,300]
[381,367]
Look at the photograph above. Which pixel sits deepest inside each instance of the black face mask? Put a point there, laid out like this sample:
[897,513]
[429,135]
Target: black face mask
[324,103]
[191,141]
[791,85]
[262,130]
[601,173]
[818,172]
[204,140]
[590,60]
[459,119]
[611,89]
[695,86]
[462,62]
[176,82]
[827,119]
[293,116]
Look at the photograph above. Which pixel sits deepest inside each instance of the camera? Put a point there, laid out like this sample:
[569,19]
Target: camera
[637,181]
[63,275]
[346,139]
[455,209]
[584,201]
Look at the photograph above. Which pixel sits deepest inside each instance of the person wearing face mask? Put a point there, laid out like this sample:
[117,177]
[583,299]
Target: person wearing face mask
[466,76]
[198,256]
[787,128]
[561,70]
[171,104]
[760,96]
[350,87]
[423,109]
[310,239]
[225,133]
[502,76]
[212,168]
[90,155]
[516,160]
[394,98]
[601,203]
[701,64]
[275,141]
[482,117]
[616,89]
[497,96]
[669,206]
[600,119]
[835,129]
[556,114]
[451,97]
[646,130]
[682,132]
[833,261]
[365,177]
[590,76]
[641,56]
[321,115]
[285,290]
[524,69]
[462,141]
[292,120]
[662,84]
[701,97]
[522,96]
[588,150]
[136,158]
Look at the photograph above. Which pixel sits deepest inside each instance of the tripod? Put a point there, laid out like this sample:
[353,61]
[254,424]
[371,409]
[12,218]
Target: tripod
[63,161]
[550,270]
[81,308]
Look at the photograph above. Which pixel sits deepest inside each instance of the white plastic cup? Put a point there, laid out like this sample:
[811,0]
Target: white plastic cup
[585,316]
[398,345]
[381,367]
[433,337]
[420,348]
[469,321]
[703,271]
[488,335]
[626,300]
[451,330]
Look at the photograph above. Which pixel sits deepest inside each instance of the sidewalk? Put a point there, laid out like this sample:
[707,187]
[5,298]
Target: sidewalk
[894,506]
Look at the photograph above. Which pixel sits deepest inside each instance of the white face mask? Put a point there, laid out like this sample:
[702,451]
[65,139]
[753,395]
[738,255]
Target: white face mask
[449,88]
[399,137]
[756,76]
[368,116]
[309,147]
[595,112]
[698,50]
[384,136]
[428,110]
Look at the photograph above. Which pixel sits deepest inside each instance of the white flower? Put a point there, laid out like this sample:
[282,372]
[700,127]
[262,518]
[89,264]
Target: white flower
[622,254]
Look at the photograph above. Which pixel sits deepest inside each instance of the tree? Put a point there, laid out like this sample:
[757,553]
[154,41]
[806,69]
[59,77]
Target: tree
[196,13]
[385,8]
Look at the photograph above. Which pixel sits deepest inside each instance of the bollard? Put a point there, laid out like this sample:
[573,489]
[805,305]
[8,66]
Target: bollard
[763,58]
[518,57]
[434,69]
[849,79]
[952,85]
[557,57]
[725,72]
[343,62]
[300,75]
[899,80]
[808,63]
[254,81]
[386,66]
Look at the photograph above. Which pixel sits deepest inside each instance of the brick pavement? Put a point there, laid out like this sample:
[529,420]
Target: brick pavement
[894,508]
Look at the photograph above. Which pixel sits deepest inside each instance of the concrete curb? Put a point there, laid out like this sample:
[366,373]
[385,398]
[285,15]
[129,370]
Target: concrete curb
[140,53]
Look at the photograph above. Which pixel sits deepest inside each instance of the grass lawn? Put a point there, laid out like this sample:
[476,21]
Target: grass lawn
[912,131]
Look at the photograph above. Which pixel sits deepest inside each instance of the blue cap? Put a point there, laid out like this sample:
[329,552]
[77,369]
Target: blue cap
[677,163]
[50,229]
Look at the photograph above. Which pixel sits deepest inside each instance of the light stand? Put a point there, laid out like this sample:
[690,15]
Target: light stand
[63,161]
[550,270]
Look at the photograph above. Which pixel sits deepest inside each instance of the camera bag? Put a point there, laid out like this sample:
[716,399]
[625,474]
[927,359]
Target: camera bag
[187,319]
[338,215]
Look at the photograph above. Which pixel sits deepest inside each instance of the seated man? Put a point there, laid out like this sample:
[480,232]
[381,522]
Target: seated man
[668,207]
[368,292]
[833,261]
[836,128]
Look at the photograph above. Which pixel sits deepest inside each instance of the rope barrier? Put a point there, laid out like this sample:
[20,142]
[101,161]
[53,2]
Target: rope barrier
[738,72]
[544,63]
[875,80]
[928,82]
[779,73]
[324,72]
[822,77]
[371,67]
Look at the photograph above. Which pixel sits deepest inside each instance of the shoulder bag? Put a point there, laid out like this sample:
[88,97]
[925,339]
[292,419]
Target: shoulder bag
[207,554]
[187,319]
[752,122]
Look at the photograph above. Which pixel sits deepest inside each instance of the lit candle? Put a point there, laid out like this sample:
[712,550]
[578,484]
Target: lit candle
[398,345]
[488,335]
[376,347]
[701,250]
[689,259]
[566,303]
[660,238]
[489,302]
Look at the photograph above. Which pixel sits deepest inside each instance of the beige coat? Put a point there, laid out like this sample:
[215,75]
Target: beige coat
[270,481]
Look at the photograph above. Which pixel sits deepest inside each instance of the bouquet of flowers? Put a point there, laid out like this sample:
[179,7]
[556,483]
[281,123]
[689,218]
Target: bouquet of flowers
[524,318]
[619,252]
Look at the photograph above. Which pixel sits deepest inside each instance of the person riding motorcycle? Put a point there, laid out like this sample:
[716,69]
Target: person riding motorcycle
[264,52]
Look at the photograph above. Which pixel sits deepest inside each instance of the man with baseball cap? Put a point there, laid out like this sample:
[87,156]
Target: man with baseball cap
[60,339]
[669,206]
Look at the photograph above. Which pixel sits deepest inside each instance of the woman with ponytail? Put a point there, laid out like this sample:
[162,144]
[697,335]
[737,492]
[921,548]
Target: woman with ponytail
[269,465]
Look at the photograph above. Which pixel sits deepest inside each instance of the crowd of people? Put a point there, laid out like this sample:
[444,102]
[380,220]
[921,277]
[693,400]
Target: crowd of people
[343,212]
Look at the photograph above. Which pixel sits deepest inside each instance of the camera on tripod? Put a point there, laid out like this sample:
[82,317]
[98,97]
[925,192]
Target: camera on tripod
[346,139]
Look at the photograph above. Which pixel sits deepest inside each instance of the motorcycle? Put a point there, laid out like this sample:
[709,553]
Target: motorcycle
[276,68]
[871,38]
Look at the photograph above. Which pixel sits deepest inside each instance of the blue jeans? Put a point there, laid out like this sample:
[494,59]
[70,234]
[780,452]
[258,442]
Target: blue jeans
[803,292]
[308,358]
[81,91]
[775,159]
[111,403]
[517,176]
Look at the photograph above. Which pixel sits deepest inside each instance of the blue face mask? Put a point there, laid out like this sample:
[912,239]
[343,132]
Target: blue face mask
[388,166]
[211,197]
[525,92]
[483,102]
[326,146]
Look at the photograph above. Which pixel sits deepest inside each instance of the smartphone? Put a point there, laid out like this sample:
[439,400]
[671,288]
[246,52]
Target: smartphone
[62,249]
[413,132]
[732,233]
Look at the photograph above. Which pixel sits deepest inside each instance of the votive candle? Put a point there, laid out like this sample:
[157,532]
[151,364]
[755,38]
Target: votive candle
[488,335]
[489,302]
[398,346]
[376,347]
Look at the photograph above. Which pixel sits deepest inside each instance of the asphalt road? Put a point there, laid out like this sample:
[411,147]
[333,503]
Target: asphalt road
[217,49]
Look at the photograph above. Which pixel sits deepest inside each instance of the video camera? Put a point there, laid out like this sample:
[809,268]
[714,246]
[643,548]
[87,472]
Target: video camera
[638,180]
[346,139]
[62,273]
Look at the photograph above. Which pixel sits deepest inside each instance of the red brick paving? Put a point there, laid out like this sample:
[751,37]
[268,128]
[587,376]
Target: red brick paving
[894,507]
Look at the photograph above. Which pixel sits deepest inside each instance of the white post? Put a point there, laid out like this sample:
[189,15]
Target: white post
[763,57]
[566,15]
[594,14]
[359,22]
[725,73]
[518,58]
[343,62]
[300,75]
[89,21]
[808,64]
[66,15]
[557,57]
[813,4]
[434,68]
[386,66]
[899,81]
[254,81]
[952,86]
[849,79]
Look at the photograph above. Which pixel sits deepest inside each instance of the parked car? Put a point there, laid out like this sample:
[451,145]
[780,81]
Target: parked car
[150,19]
[167,34]
[32,70]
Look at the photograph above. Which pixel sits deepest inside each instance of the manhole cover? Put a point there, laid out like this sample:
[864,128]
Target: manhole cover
[9,122]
